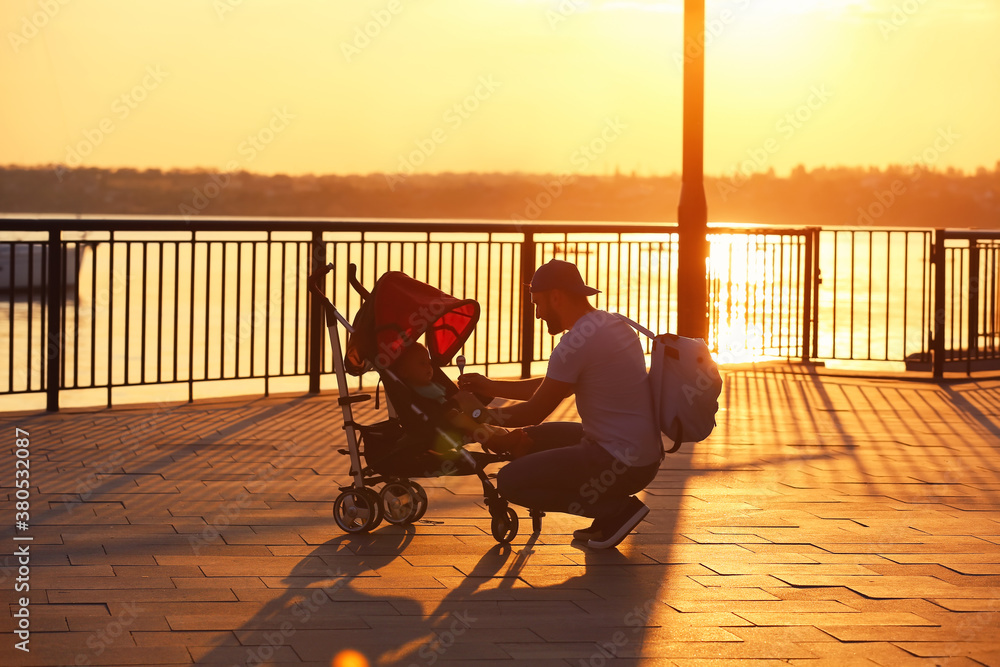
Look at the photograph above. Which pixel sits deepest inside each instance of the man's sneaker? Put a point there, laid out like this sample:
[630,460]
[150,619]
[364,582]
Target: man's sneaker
[589,533]
[616,527]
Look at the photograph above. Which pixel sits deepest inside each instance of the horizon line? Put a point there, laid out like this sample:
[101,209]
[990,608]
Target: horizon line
[619,173]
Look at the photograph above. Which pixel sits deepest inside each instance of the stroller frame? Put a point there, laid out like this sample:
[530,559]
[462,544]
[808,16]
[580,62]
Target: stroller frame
[402,501]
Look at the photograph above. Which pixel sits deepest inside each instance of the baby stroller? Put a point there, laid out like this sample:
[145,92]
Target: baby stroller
[416,440]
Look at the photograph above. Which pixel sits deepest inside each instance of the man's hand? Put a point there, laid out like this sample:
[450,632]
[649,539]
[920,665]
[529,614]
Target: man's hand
[517,443]
[477,384]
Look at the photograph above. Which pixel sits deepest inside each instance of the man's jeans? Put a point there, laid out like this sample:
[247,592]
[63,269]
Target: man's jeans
[563,474]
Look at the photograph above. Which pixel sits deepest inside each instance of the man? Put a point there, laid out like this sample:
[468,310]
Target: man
[590,468]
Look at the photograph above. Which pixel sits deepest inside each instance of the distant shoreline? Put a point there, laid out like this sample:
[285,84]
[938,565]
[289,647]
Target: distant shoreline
[826,197]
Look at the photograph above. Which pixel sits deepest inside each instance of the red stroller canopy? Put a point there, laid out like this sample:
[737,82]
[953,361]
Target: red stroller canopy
[397,312]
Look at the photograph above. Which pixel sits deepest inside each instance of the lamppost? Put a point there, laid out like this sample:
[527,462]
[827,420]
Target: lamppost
[692,211]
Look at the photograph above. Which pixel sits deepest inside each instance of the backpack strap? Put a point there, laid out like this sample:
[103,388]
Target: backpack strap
[638,327]
[680,431]
[678,442]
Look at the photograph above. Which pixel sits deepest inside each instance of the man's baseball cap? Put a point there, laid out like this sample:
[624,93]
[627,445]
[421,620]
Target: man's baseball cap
[559,274]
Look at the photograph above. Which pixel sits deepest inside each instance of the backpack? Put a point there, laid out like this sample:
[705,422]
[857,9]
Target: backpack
[685,383]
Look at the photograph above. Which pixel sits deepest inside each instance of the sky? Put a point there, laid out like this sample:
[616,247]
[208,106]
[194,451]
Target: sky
[544,86]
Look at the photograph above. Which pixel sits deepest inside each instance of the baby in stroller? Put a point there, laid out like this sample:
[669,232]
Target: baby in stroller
[460,409]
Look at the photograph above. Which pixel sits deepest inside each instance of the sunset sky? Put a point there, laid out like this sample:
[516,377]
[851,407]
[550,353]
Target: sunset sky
[556,86]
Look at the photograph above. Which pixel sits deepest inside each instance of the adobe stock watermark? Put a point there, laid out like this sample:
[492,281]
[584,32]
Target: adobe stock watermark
[592,490]
[225,7]
[900,15]
[562,12]
[365,34]
[256,318]
[694,47]
[254,144]
[121,109]
[302,611]
[101,640]
[883,200]
[786,128]
[32,24]
[229,512]
[91,481]
[635,619]
[432,651]
[454,117]
[581,158]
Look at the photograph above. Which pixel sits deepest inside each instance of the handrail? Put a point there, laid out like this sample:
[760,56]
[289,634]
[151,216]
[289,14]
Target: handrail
[220,224]
[791,287]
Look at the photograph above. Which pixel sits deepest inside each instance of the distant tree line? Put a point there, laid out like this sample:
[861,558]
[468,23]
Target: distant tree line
[896,196]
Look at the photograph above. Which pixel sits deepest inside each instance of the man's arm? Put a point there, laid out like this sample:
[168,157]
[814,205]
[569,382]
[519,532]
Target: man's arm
[546,397]
[518,390]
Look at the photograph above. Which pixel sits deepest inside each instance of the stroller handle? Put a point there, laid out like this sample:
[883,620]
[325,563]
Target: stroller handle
[316,287]
[352,278]
[316,280]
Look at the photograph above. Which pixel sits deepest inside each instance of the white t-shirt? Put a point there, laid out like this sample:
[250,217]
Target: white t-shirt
[601,356]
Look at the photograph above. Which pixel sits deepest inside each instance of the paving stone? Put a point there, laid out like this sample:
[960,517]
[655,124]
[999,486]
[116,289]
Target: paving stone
[97,625]
[789,568]
[267,654]
[968,604]
[770,606]
[893,587]
[931,649]
[900,633]
[47,651]
[781,634]
[848,618]
[174,638]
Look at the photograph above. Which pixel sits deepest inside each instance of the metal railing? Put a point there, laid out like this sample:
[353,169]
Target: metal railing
[874,295]
[967,317]
[136,302]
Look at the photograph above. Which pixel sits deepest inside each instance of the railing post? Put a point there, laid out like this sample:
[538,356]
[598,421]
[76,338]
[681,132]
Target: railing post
[527,310]
[817,246]
[937,344]
[54,294]
[314,361]
[807,295]
[973,305]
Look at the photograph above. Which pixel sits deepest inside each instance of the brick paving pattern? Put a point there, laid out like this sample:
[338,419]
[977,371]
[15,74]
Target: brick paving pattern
[828,520]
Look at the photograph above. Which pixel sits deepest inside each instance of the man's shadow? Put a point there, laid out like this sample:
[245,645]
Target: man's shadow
[513,600]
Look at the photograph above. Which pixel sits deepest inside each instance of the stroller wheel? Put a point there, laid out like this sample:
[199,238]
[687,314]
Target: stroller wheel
[357,510]
[504,526]
[421,497]
[400,503]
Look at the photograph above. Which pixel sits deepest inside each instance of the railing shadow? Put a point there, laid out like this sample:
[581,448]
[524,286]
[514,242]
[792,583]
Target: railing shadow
[912,440]
[152,445]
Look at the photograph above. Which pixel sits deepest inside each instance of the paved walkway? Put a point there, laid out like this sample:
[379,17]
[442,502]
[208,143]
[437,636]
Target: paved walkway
[828,520]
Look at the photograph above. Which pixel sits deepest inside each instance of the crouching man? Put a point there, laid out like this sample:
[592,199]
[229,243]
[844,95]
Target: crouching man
[593,467]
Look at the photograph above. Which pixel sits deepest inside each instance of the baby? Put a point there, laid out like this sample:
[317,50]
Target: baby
[414,368]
